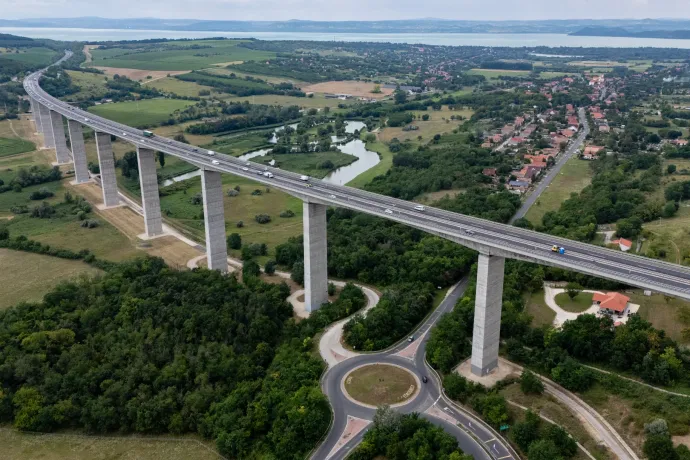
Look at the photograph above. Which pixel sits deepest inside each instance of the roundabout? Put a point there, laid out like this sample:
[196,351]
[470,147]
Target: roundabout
[373,385]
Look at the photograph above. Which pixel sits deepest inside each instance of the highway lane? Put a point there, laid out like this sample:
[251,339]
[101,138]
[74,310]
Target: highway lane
[474,232]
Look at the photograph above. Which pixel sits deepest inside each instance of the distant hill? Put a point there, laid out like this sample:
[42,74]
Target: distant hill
[428,25]
[593,31]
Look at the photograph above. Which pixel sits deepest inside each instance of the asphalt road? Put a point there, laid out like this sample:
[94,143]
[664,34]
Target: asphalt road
[430,394]
[554,170]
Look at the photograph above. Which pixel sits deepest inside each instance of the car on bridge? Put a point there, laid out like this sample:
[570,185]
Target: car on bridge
[556,248]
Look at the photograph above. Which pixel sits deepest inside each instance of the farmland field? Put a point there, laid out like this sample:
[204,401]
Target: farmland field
[177,59]
[177,86]
[33,56]
[142,113]
[92,85]
[354,88]
[439,122]
[494,74]
[316,101]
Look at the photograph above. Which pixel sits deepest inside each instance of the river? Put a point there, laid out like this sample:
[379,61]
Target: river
[366,159]
[449,39]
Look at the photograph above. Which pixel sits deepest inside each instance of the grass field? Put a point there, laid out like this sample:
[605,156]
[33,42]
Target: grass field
[186,216]
[671,316]
[63,446]
[536,307]
[379,384]
[92,85]
[439,123]
[580,303]
[34,275]
[15,146]
[177,86]
[241,144]
[147,112]
[317,101]
[268,78]
[670,235]
[491,74]
[574,176]
[34,56]
[308,163]
[554,410]
[185,59]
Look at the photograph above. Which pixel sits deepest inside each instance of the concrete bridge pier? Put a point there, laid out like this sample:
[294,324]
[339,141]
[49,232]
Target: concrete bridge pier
[44,113]
[315,256]
[106,163]
[214,221]
[62,154]
[36,115]
[148,181]
[76,140]
[487,314]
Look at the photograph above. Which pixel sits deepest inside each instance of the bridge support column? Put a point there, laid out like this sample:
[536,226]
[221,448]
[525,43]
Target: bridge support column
[150,200]
[487,314]
[315,256]
[44,113]
[106,164]
[36,115]
[214,221]
[61,152]
[76,139]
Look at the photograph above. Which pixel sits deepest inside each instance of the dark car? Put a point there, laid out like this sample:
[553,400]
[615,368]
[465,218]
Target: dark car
[425,379]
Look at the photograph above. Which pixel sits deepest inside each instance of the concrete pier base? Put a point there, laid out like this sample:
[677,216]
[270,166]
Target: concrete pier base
[214,221]
[44,113]
[504,370]
[315,256]
[76,139]
[36,116]
[487,314]
[150,200]
[106,162]
[62,153]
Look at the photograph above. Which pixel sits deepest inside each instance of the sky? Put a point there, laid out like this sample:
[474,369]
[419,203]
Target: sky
[330,10]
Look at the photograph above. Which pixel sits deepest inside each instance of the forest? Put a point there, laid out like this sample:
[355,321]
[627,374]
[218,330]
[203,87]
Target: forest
[148,349]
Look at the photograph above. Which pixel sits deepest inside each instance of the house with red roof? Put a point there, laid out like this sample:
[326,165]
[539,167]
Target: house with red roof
[611,302]
[519,121]
[490,172]
[507,130]
[623,244]
[497,138]
[573,121]
[597,115]
[517,140]
[591,152]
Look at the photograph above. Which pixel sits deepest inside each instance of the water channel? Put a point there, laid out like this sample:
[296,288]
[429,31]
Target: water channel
[366,159]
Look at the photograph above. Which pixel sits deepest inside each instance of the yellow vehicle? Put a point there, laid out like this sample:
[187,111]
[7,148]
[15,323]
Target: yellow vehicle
[554,248]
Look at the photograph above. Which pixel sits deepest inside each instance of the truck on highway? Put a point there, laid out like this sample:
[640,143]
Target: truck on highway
[148,133]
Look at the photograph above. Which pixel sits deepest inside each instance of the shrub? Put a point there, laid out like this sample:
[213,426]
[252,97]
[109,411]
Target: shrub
[287,213]
[297,274]
[530,383]
[90,223]
[240,224]
[232,193]
[43,211]
[41,194]
[234,241]
[250,269]
[262,218]
[270,267]
[257,192]
[331,289]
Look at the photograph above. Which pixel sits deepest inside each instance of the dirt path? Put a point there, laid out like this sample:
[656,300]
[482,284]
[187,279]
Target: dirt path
[87,53]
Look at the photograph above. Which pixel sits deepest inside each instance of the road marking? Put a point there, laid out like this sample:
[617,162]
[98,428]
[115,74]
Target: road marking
[436,400]
[446,409]
[492,439]
[507,456]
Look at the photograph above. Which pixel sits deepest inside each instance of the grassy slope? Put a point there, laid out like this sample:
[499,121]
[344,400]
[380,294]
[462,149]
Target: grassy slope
[308,163]
[34,275]
[541,314]
[177,86]
[15,146]
[574,176]
[384,165]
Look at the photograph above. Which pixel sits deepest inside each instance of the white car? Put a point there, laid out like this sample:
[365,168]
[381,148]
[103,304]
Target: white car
[333,196]
[388,211]
[268,174]
[124,134]
[420,208]
[86,119]
[245,169]
[304,178]
[211,152]
[215,162]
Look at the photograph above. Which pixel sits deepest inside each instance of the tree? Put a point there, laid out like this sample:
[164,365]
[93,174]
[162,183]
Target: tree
[573,289]
[297,274]
[670,209]
[566,445]
[250,269]
[234,241]
[425,117]
[543,449]
[526,432]
[530,383]
[670,169]
[270,267]
[161,159]
[659,447]
[400,96]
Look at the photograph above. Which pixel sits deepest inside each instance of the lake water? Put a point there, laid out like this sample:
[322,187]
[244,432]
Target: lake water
[512,40]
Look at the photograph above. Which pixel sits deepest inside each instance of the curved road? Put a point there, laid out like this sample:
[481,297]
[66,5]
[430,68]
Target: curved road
[473,435]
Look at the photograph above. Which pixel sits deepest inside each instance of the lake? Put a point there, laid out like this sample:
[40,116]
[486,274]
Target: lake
[449,39]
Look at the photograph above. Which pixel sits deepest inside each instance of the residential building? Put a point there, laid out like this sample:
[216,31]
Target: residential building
[611,302]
